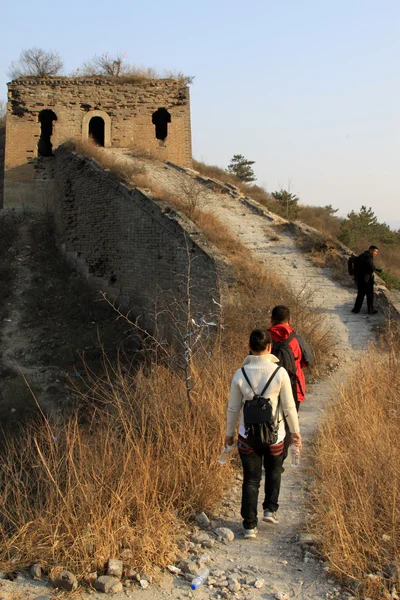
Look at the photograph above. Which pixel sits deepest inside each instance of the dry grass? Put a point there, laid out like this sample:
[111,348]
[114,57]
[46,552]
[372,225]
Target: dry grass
[80,493]
[133,74]
[257,193]
[215,172]
[124,169]
[319,218]
[138,151]
[324,251]
[357,473]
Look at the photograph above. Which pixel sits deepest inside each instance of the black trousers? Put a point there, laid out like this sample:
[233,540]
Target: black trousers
[252,467]
[364,289]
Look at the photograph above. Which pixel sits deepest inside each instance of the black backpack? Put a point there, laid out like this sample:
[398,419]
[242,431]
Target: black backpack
[352,265]
[284,354]
[260,426]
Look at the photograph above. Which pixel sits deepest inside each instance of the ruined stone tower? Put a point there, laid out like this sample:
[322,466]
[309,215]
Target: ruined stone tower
[42,113]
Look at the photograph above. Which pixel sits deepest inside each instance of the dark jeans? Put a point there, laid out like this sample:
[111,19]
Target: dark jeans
[252,467]
[364,289]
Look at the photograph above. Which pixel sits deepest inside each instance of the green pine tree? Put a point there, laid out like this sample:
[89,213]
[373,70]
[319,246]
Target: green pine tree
[288,203]
[241,168]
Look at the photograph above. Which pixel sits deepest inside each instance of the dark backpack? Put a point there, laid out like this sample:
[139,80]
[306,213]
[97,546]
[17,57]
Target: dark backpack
[284,354]
[352,265]
[259,423]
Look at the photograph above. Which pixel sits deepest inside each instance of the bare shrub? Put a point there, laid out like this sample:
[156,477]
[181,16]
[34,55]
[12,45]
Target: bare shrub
[37,63]
[357,472]
[105,65]
[193,195]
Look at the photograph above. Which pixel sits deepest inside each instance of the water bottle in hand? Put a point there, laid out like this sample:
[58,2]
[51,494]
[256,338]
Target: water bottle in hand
[295,455]
[200,578]
[225,454]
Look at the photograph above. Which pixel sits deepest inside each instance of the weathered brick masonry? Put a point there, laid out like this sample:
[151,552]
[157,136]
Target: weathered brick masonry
[134,247]
[42,113]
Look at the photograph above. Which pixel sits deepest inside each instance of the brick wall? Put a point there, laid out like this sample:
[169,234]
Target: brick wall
[125,107]
[132,247]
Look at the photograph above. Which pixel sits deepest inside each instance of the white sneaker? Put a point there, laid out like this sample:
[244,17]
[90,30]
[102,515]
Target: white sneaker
[270,517]
[250,534]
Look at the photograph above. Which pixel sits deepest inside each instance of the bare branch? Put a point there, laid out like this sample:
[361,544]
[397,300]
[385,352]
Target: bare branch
[135,324]
[37,63]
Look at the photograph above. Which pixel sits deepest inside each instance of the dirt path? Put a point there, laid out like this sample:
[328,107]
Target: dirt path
[274,557]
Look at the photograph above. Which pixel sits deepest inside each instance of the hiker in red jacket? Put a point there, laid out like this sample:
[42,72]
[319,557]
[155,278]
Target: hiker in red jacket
[293,353]
[301,352]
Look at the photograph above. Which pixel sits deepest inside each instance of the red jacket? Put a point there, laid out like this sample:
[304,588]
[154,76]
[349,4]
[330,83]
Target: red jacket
[281,332]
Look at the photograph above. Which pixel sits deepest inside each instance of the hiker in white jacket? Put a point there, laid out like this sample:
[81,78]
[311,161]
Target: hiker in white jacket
[259,366]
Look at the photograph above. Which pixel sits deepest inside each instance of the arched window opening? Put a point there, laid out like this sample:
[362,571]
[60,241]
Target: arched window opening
[46,118]
[160,119]
[96,130]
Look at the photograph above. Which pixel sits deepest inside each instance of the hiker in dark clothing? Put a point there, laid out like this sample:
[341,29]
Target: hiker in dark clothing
[364,278]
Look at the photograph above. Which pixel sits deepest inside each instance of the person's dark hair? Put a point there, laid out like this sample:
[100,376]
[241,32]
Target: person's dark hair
[373,248]
[280,314]
[259,340]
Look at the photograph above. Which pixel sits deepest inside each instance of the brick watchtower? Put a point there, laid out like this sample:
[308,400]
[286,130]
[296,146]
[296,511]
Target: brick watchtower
[42,113]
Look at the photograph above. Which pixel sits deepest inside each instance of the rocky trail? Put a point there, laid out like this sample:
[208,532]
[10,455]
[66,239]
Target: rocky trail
[280,563]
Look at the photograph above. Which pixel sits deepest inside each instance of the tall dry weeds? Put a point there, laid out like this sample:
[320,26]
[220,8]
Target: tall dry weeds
[123,169]
[357,473]
[124,479]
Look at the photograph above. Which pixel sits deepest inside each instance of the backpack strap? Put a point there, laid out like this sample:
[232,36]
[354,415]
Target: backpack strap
[292,336]
[265,386]
[269,380]
[248,380]
[288,339]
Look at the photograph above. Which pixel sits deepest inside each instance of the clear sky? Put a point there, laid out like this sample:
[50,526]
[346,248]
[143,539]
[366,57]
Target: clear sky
[309,89]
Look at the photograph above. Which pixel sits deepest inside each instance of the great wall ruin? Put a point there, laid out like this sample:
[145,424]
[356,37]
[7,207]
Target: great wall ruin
[133,246]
